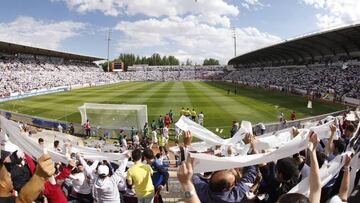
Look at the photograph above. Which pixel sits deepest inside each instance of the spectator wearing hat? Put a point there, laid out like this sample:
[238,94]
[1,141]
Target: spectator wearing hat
[105,186]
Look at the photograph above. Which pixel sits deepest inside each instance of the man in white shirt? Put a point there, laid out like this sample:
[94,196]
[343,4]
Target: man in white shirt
[136,140]
[60,128]
[166,134]
[201,118]
[105,189]
[154,139]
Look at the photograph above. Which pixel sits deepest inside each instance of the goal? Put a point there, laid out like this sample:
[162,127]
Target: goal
[114,116]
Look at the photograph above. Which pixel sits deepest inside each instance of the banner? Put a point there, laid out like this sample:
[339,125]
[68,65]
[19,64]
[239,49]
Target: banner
[35,150]
[327,171]
[208,163]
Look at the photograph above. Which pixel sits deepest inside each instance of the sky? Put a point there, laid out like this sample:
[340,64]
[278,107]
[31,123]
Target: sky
[187,29]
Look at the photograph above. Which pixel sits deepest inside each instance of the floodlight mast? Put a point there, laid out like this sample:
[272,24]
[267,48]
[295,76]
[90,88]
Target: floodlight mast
[108,50]
[234,36]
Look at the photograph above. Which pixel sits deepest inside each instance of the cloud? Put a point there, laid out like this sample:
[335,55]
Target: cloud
[252,4]
[188,37]
[158,8]
[185,28]
[29,31]
[335,12]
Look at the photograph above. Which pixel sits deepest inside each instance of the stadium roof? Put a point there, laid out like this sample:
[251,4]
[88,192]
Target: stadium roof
[6,47]
[344,41]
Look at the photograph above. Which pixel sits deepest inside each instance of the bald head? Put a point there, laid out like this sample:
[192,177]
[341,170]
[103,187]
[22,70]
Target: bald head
[222,181]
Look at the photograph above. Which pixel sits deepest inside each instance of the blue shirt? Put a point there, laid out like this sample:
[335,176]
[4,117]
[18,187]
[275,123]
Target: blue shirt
[236,194]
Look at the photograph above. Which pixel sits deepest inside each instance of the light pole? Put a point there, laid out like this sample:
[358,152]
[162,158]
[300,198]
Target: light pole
[234,36]
[108,50]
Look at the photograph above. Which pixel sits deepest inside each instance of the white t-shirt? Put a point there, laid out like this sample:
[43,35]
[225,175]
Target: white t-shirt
[124,143]
[154,137]
[136,139]
[200,117]
[60,128]
[166,132]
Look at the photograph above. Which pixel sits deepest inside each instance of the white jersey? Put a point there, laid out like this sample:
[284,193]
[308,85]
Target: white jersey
[201,119]
[60,128]
[124,143]
[136,139]
[154,137]
[166,133]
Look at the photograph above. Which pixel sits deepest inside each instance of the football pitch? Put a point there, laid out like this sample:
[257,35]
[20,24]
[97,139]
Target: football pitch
[212,98]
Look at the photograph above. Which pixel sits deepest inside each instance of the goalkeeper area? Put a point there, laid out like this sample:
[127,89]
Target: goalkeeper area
[114,116]
[211,98]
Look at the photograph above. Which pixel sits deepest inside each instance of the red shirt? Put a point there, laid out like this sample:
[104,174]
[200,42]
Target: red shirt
[167,119]
[87,125]
[293,116]
[30,162]
[54,193]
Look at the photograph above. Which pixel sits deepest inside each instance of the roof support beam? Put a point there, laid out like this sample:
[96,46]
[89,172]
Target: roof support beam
[272,57]
[323,45]
[348,39]
[291,51]
[297,49]
[311,47]
[337,43]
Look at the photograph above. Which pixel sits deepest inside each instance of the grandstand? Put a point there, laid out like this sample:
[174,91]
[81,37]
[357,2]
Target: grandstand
[27,69]
[322,48]
[319,64]
[258,86]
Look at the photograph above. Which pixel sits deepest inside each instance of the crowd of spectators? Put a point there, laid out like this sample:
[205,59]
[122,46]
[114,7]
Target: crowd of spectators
[271,182]
[22,75]
[143,174]
[167,75]
[340,80]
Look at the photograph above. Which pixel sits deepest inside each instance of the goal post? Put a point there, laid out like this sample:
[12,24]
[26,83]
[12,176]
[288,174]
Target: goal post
[114,116]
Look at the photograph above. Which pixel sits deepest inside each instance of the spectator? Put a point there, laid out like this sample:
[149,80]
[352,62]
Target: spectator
[293,116]
[71,129]
[234,128]
[31,189]
[160,175]
[87,127]
[139,175]
[41,142]
[105,187]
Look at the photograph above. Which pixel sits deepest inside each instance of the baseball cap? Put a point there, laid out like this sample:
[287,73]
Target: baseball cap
[103,170]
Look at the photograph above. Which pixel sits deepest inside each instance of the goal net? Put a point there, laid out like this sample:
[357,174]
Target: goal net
[114,116]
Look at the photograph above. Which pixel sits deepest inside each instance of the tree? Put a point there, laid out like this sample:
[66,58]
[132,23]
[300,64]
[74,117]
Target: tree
[173,61]
[210,62]
[137,60]
[165,61]
[154,60]
[104,66]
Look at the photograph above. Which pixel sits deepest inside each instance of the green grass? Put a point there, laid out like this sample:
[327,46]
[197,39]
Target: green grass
[211,98]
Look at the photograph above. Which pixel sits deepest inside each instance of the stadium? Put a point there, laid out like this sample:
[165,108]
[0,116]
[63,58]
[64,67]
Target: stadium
[289,108]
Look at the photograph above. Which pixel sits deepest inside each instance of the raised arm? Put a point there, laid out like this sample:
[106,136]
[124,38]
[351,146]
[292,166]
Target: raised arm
[345,182]
[330,140]
[89,169]
[184,175]
[315,183]
[35,186]
[120,172]
[67,171]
